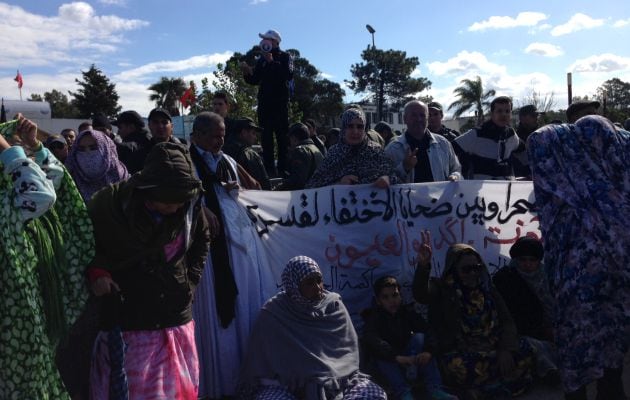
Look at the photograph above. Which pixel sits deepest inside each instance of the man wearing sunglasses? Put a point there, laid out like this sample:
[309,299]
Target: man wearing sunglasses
[58,146]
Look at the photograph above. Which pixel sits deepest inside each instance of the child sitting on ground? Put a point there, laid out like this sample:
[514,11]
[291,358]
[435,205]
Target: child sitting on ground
[397,337]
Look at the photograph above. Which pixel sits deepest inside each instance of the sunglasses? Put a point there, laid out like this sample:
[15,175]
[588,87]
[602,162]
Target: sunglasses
[467,269]
[358,126]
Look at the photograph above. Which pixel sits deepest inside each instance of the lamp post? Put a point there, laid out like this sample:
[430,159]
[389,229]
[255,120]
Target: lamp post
[371,30]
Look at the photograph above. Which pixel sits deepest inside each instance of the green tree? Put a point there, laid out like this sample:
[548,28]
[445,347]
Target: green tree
[35,97]
[96,94]
[386,76]
[316,97]
[228,79]
[614,94]
[471,96]
[167,92]
[60,106]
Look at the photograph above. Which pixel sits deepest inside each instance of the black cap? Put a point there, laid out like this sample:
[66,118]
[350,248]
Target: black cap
[527,246]
[436,105]
[575,108]
[246,123]
[101,121]
[129,117]
[382,127]
[161,112]
[529,109]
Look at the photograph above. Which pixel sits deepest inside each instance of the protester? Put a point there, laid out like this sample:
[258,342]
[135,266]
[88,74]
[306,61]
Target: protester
[579,109]
[581,175]
[312,134]
[101,123]
[478,346]
[524,286]
[303,344]
[383,129]
[135,140]
[231,292]
[355,160]
[528,117]
[304,158]
[161,127]
[400,340]
[332,137]
[85,125]
[485,152]
[152,240]
[57,145]
[70,135]
[47,241]
[419,155]
[273,71]
[240,148]
[93,163]
[436,114]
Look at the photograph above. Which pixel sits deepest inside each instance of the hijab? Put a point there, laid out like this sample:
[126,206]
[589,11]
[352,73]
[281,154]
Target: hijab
[309,346]
[366,159]
[94,169]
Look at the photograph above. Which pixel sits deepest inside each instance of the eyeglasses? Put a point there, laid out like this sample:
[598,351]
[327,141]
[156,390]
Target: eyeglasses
[358,126]
[467,269]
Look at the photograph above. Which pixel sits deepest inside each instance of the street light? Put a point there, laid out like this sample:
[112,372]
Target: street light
[371,30]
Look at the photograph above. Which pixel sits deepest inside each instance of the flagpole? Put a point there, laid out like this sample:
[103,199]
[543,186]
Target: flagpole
[20,89]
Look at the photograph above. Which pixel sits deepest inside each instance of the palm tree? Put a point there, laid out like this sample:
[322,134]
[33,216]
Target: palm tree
[471,95]
[168,91]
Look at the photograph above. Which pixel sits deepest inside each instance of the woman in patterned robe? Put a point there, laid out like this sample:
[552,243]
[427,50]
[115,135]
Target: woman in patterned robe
[581,175]
[46,241]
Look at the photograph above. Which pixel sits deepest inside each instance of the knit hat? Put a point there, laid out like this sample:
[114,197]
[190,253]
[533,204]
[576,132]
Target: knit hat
[167,175]
[527,246]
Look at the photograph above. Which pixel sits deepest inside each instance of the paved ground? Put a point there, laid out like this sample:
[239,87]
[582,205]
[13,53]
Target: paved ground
[545,393]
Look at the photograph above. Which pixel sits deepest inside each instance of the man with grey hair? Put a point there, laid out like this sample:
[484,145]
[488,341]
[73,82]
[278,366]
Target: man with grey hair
[420,155]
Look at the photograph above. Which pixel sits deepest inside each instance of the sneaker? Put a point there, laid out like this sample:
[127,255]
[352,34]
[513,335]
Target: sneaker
[442,395]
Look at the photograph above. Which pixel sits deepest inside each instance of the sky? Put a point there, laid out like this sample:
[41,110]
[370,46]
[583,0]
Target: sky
[516,47]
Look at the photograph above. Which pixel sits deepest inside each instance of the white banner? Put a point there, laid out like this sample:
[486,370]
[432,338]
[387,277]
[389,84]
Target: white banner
[360,233]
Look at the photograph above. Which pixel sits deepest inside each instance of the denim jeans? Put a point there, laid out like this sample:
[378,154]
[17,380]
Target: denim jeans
[394,373]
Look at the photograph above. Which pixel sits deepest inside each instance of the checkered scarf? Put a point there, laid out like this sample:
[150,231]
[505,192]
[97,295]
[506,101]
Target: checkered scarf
[299,268]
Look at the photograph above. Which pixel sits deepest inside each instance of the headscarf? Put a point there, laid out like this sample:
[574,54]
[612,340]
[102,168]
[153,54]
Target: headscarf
[479,316]
[581,172]
[366,160]
[299,268]
[311,350]
[95,169]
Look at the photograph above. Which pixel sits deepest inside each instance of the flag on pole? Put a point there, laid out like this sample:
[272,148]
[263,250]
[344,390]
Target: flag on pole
[188,98]
[19,80]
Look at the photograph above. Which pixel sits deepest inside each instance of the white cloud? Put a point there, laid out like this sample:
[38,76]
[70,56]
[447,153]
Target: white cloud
[256,2]
[576,23]
[113,2]
[527,18]
[465,61]
[325,75]
[606,62]
[544,49]
[416,73]
[76,32]
[621,23]
[195,62]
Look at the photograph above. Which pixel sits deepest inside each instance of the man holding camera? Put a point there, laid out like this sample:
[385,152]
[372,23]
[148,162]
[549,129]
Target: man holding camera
[272,72]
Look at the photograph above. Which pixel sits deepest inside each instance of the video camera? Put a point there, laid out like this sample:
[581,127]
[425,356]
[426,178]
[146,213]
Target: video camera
[266,45]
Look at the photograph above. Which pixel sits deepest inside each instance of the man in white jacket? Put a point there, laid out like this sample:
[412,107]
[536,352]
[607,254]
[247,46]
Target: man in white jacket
[420,155]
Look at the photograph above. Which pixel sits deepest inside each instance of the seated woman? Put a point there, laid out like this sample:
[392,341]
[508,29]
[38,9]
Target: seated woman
[93,163]
[355,159]
[478,347]
[524,286]
[303,345]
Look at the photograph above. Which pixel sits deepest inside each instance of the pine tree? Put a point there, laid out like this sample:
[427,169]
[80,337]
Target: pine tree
[95,95]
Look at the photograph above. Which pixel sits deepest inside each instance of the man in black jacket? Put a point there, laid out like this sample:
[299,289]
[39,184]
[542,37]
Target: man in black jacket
[272,72]
[136,140]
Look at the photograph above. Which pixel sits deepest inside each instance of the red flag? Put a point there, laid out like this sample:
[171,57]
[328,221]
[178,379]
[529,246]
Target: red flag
[188,98]
[19,80]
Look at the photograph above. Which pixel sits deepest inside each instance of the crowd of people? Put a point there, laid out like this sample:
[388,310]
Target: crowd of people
[122,278]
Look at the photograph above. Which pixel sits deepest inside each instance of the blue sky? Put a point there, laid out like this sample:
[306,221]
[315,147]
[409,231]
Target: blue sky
[516,47]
